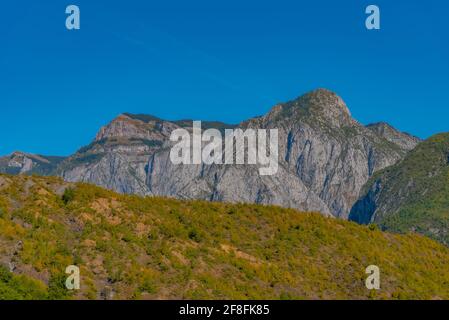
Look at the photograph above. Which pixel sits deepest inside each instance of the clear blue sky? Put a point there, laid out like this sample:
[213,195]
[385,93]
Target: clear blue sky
[222,60]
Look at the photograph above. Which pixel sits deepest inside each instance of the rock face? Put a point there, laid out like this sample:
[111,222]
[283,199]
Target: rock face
[325,157]
[411,195]
[402,139]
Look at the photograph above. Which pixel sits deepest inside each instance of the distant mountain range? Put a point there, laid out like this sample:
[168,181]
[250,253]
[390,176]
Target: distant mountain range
[328,162]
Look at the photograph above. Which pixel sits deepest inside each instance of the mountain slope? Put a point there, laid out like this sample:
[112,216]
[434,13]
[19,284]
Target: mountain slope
[152,248]
[411,195]
[402,139]
[24,163]
[325,157]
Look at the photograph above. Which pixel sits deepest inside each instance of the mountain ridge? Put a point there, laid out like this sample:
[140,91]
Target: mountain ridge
[325,157]
[411,195]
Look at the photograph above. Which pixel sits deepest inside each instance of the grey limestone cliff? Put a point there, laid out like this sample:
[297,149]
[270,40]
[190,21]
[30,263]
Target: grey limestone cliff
[325,157]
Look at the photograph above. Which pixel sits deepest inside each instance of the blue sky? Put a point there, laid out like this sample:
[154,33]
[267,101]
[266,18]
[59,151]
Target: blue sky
[214,60]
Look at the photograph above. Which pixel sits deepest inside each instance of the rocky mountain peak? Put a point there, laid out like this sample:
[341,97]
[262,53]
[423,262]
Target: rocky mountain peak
[19,155]
[120,126]
[128,125]
[21,161]
[321,105]
[403,139]
[328,101]
[327,106]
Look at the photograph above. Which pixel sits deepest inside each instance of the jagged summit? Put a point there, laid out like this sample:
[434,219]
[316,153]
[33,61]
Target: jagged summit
[149,127]
[136,126]
[326,100]
[20,154]
[403,139]
[321,106]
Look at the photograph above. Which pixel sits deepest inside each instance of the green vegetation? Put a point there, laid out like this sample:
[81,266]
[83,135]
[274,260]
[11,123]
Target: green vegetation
[415,192]
[149,143]
[143,117]
[69,195]
[129,247]
[14,287]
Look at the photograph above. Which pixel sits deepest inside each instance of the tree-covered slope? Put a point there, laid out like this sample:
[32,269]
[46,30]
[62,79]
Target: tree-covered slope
[131,247]
[412,195]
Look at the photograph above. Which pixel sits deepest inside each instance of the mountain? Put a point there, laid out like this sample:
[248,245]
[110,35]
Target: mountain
[130,247]
[24,163]
[325,157]
[402,139]
[412,195]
